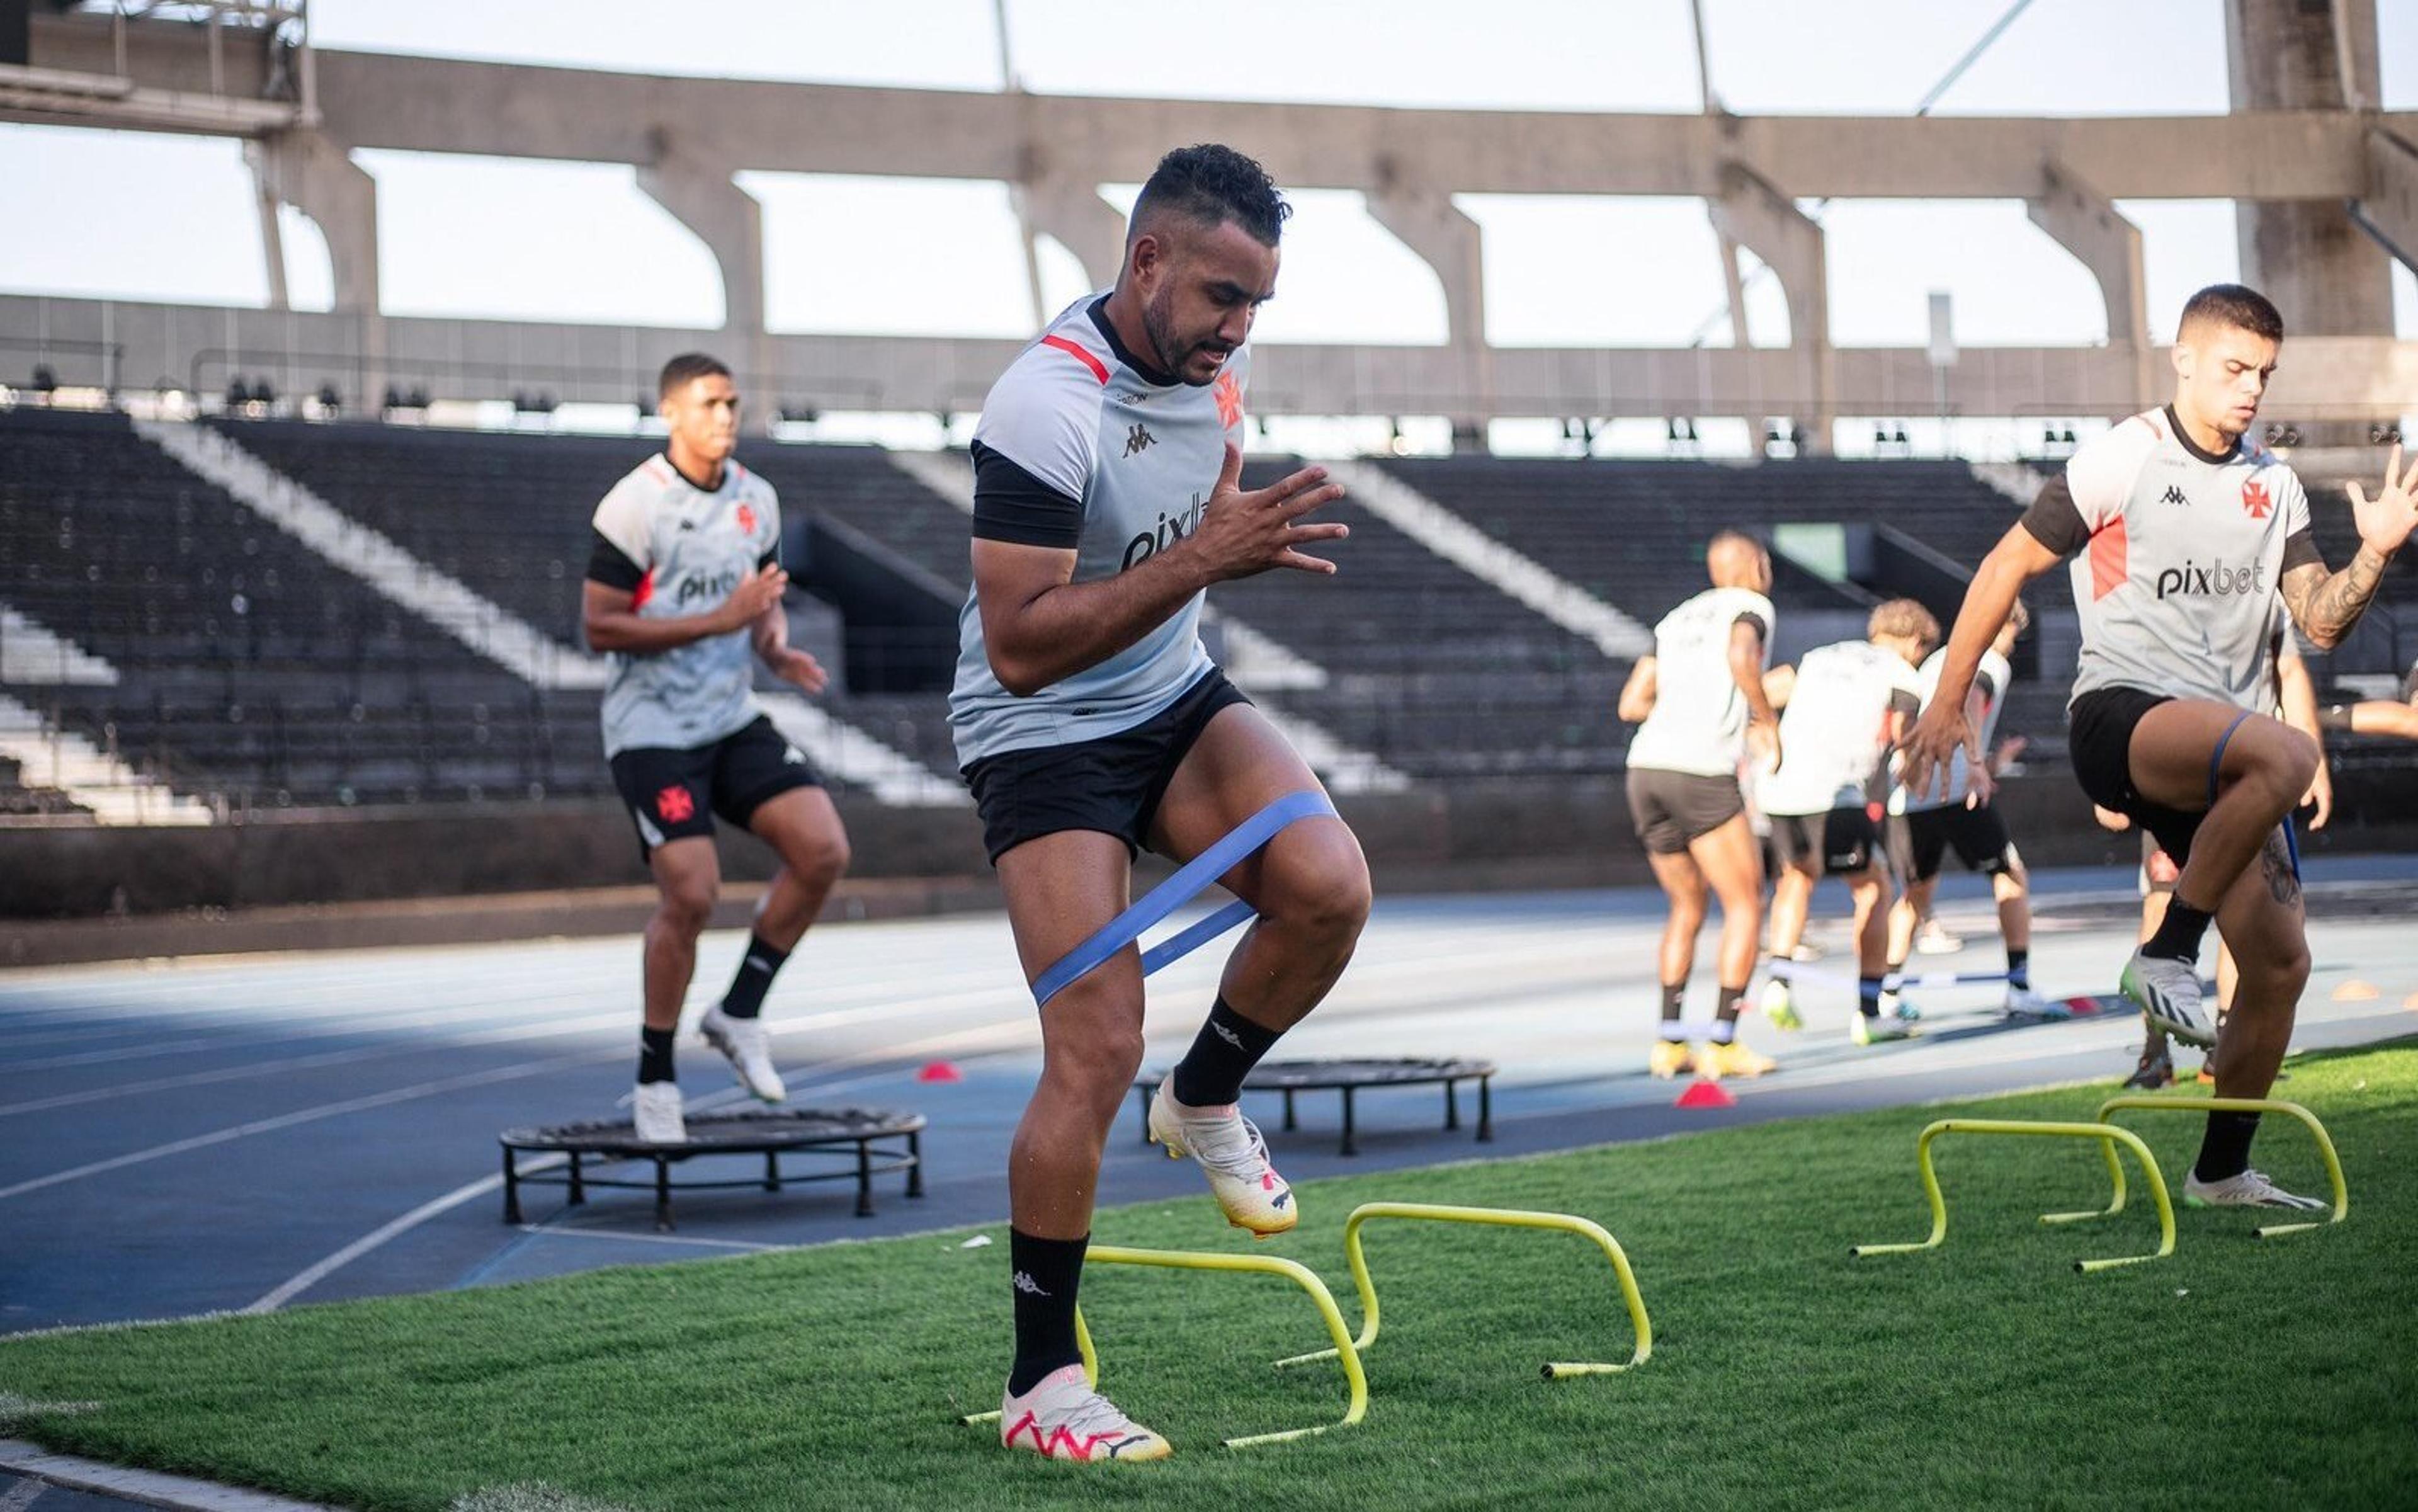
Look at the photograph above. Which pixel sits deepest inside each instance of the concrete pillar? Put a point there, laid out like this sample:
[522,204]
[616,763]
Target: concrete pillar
[2389,210]
[702,196]
[2325,275]
[315,174]
[1766,223]
[1071,212]
[2086,223]
[1430,225]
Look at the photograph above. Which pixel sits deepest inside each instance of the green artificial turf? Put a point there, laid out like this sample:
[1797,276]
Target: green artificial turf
[2237,1372]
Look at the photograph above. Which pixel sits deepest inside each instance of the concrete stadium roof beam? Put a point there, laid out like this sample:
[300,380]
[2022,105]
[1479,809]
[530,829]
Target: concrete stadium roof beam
[2086,224]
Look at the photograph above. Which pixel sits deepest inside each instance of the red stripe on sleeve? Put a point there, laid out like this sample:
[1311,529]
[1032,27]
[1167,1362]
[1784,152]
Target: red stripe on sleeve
[2108,566]
[1098,370]
[645,590]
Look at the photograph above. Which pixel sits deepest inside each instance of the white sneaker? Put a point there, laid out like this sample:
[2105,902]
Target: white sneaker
[1061,1417]
[1231,1154]
[750,1049]
[1867,1028]
[1778,1007]
[1894,1006]
[1806,953]
[2251,1189]
[1935,940]
[2023,1002]
[655,1108]
[2168,993]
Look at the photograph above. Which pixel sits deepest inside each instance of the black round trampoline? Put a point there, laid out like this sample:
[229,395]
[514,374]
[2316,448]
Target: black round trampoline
[836,1144]
[1350,1078]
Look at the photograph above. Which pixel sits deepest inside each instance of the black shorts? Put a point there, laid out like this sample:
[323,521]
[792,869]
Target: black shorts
[674,793]
[2099,736]
[1843,841]
[1112,784]
[1671,808]
[1919,841]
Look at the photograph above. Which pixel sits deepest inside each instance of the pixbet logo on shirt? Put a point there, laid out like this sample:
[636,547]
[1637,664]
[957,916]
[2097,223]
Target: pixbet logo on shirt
[1143,548]
[717,586]
[2214,580]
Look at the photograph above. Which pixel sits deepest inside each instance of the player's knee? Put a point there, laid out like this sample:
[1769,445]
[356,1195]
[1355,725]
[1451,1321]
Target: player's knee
[1324,891]
[1103,1062]
[822,857]
[687,903]
[1688,914]
[2296,763]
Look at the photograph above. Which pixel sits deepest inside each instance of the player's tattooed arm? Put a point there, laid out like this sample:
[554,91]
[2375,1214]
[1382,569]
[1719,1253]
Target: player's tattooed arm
[2327,605]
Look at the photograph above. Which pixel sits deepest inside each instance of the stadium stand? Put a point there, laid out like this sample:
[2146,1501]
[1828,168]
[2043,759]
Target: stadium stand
[250,668]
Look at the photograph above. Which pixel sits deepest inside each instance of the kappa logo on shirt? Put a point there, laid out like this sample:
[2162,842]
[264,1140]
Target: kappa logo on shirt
[2174,495]
[1139,440]
[2255,501]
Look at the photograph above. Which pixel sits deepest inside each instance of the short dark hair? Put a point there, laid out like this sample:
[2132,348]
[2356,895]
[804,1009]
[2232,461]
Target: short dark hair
[686,369]
[1210,184]
[2234,305]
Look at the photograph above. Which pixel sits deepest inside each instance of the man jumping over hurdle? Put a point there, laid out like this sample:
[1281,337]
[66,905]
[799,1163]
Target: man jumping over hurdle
[2185,534]
[1091,721]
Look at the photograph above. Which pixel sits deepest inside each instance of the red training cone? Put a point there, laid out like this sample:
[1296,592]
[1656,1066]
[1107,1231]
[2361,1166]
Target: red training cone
[940,1071]
[1703,1094]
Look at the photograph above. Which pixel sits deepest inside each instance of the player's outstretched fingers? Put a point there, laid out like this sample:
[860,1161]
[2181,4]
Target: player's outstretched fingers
[1230,472]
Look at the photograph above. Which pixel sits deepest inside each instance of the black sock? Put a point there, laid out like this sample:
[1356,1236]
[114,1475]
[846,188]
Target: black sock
[756,968]
[1675,1002]
[1228,1046]
[1726,1016]
[2225,1149]
[1046,1274]
[2019,968]
[1868,996]
[2179,933]
[655,1055]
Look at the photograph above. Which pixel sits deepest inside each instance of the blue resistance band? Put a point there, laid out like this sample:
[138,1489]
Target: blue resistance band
[2216,758]
[1187,884]
[2293,847]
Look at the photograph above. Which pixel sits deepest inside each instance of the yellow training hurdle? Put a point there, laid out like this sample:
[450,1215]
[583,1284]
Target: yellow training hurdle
[1503,1217]
[2108,1136]
[2225,1105]
[1185,1259]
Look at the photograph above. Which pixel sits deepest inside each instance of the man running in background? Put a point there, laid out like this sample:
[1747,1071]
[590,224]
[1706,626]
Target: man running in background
[1922,831]
[684,583]
[2185,535]
[1702,701]
[1091,721]
[1849,705]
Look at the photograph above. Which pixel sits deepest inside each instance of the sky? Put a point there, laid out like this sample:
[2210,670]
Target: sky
[140,216]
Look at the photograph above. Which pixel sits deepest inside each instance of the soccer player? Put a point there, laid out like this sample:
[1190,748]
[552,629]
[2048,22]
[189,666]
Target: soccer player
[2377,716]
[2185,534]
[1922,830]
[1090,723]
[1702,701]
[1850,703]
[684,582]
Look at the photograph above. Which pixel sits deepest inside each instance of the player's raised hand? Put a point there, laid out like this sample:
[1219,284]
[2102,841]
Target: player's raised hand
[753,596]
[1929,747]
[1244,533]
[2386,521]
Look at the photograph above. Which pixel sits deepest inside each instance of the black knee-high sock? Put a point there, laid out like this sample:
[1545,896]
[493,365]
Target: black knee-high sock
[1725,1017]
[655,1055]
[1674,1003]
[1868,996]
[1228,1046]
[2019,968]
[2225,1149]
[1045,1274]
[2179,933]
[756,968]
